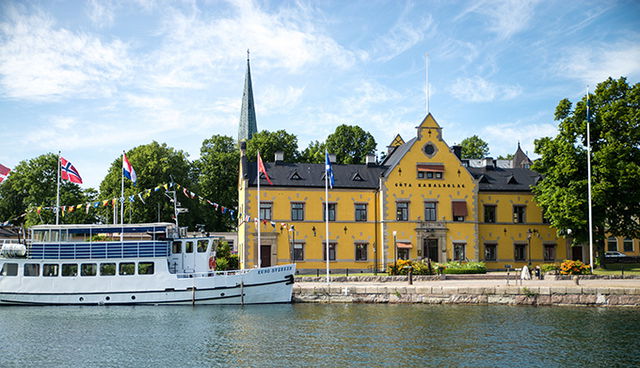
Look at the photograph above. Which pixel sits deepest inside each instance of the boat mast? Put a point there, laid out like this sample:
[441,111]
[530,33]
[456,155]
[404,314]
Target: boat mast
[58,192]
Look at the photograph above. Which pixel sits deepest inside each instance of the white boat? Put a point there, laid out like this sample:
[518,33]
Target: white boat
[129,264]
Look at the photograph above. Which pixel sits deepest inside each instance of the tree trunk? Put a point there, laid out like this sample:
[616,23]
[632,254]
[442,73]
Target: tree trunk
[599,240]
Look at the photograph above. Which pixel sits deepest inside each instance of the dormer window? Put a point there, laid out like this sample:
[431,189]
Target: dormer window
[357,177]
[295,176]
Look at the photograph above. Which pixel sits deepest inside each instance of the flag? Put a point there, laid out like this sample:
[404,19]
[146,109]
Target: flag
[262,169]
[328,169]
[4,172]
[128,170]
[68,172]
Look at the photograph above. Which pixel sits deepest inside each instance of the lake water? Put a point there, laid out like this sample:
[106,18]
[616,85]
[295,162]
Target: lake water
[317,335]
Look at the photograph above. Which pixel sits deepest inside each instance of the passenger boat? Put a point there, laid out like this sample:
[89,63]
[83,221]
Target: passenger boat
[129,264]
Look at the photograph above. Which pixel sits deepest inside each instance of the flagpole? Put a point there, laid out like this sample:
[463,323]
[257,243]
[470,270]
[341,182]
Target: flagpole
[58,193]
[426,56]
[589,186]
[258,180]
[326,217]
[122,197]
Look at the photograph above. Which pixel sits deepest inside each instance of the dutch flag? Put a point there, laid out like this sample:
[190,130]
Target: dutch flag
[127,169]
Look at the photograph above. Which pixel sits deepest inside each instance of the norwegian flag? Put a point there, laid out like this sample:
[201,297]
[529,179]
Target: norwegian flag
[4,172]
[68,172]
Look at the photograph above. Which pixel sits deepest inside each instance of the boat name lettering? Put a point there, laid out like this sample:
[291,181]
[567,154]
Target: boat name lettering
[275,269]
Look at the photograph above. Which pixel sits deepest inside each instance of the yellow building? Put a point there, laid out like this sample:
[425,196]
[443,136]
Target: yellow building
[422,201]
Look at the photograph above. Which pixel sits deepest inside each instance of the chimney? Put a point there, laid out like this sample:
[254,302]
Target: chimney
[279,157]
[488,163]
[332,158]
[370,160]
[457,150]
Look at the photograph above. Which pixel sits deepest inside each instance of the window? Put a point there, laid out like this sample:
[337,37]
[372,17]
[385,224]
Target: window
[549,252]
[489,213]
[107,269]
[297,211]
[332,212]
[176,248]
[520,252]
[188,247]
[402,211]
[627,245]
[519,214]
[403,253]
[361,251]
[32,269]
[265,210]
[50,270]
[145,268]
[430,213]
[490,252]
[298,251]
[202,245]
[332,251]
[69,269]
[458,252]
[361,212]
[88,269]
[127,269]
[459,210]
[429,175]
[612,244]
[9,269]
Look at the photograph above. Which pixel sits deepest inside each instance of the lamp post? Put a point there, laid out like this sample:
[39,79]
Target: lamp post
[395,249]
[530,233]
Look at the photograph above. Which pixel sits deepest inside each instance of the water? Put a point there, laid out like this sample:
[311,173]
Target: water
[314,335]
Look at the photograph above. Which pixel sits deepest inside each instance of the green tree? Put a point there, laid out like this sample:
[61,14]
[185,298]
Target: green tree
[154,164]
[32,184]
[474,147]
[509,156]
[268,143]
[218,179]
[314,153]
[615,146]
[351,144]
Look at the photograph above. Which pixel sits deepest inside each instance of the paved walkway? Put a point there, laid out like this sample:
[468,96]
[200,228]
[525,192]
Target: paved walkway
[598,283]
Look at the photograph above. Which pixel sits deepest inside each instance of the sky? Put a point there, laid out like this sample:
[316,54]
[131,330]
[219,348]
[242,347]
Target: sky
[94,78]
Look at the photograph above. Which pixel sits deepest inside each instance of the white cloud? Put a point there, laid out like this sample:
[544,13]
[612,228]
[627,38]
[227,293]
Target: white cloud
[101,12]
[502,138]
[278,100]
[505,17]
[597,62]
[478,89]
[41,61]
[402,36]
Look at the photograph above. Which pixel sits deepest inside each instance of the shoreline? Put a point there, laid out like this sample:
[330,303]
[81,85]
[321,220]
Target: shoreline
[589,292]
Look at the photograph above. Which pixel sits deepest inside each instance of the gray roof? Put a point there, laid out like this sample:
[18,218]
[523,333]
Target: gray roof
[505,180]
[312,175]
[392,160]
[248,126]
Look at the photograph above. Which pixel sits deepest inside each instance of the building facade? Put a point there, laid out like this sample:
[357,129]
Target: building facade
[421,201]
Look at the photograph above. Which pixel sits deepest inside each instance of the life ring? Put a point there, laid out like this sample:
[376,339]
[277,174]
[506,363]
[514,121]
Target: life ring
[212,263]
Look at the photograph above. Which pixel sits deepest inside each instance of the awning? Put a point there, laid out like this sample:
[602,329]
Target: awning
[459,208]
[431,167]
[406,245]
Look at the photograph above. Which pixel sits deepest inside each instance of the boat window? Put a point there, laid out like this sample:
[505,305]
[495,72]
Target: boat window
[127,268]
[189,247]
[69,269]
[32,269]
[107,269]
[177,247]
[145,268]
[9,269]
[39,235]
[202,245]
[88,269]
[50,270]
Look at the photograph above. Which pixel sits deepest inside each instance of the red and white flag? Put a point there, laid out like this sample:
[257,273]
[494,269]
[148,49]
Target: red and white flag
[68,172]
[262,169]
[4,172]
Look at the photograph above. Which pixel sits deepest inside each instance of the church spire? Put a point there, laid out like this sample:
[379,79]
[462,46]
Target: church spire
[248,126]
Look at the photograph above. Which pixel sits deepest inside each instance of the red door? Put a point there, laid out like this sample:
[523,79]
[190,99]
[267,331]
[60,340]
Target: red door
[265,256]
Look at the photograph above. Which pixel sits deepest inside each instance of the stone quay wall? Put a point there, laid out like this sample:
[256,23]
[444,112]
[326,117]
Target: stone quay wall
[310,292]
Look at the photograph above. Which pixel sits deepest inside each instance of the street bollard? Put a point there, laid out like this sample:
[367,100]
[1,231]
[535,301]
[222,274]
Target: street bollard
[411,276]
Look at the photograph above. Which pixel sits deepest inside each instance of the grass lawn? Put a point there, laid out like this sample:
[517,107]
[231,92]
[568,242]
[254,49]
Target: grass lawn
[616,269]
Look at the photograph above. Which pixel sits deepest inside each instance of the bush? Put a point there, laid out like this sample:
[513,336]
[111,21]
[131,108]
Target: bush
[402,267]
[569,267]
[549,267]
[462,267]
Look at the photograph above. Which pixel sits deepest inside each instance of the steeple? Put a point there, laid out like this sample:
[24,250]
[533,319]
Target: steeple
[248,126]
[520,159]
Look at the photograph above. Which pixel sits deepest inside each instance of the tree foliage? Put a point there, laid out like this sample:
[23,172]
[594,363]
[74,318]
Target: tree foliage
[351,144]
[314,153]
[508,156]
[615,146]
[268,143]
[155,164]
[32,184]
[474,147]
[218,179]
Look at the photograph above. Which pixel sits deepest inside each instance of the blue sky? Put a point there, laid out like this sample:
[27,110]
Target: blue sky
[93,78]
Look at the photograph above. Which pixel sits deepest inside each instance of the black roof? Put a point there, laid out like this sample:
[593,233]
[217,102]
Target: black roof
[505,180]
[312,175]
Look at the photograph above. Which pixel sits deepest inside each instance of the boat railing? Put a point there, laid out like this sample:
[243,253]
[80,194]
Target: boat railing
[191,275]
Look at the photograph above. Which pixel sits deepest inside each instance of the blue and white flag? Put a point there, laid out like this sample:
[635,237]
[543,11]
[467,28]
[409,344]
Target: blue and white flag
[128,170]
[328,169]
